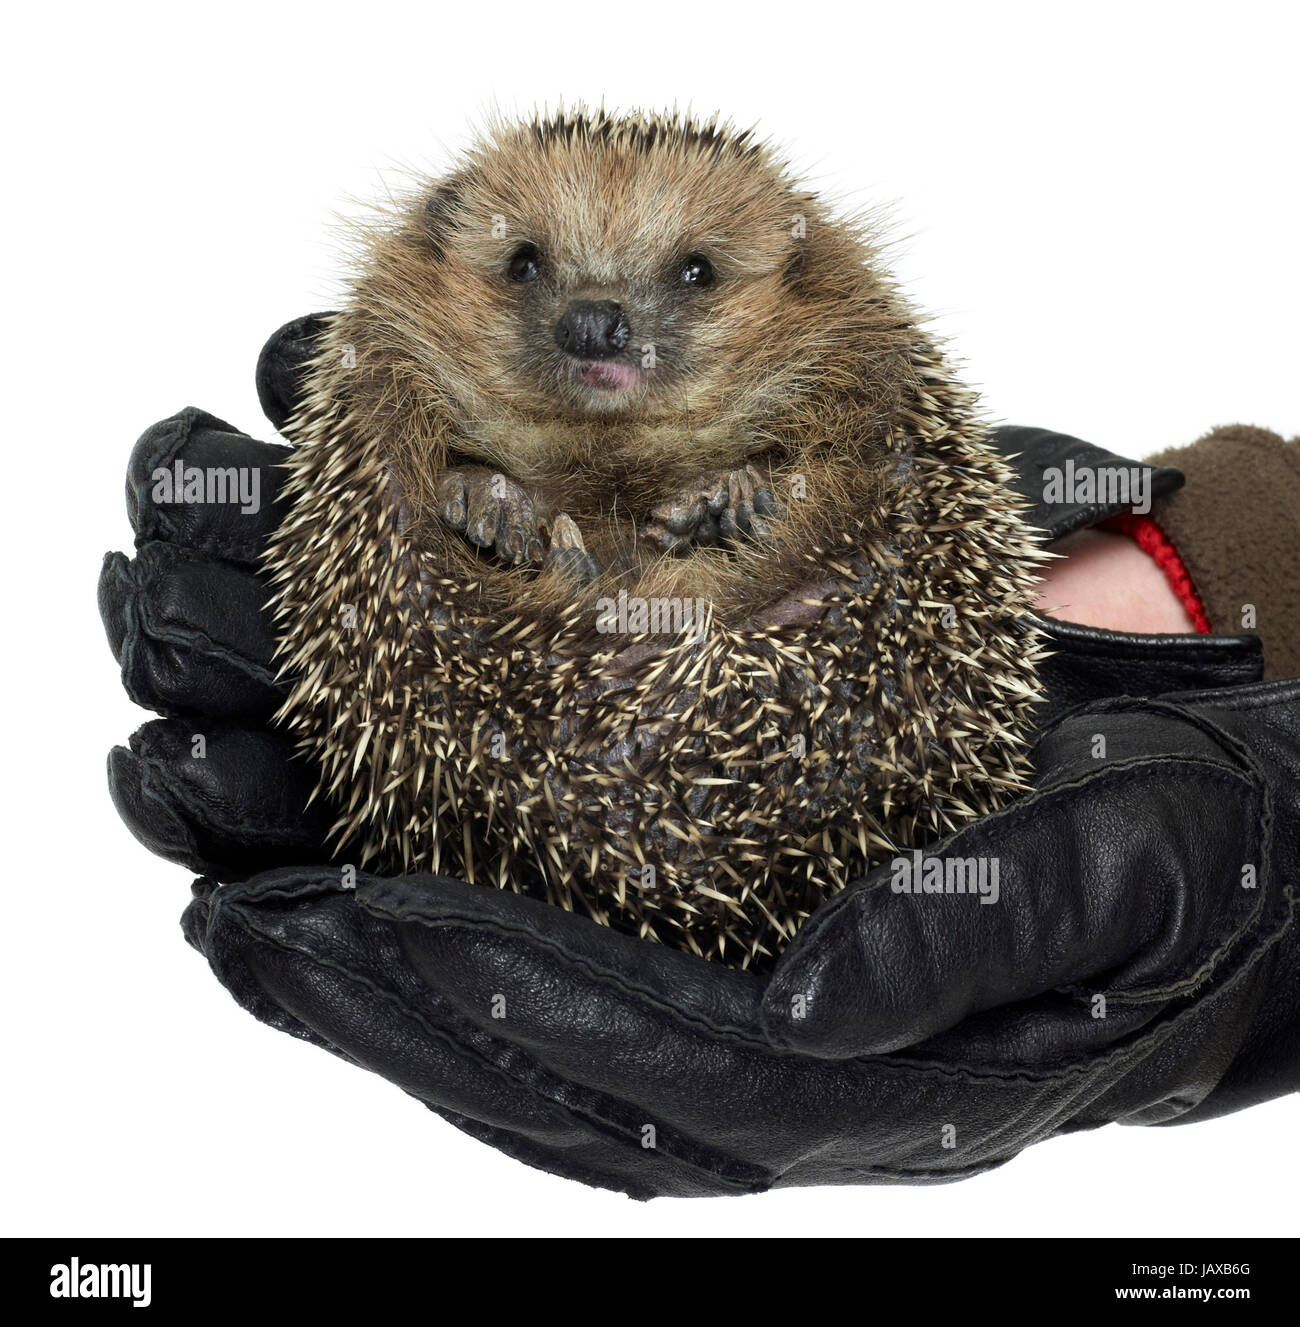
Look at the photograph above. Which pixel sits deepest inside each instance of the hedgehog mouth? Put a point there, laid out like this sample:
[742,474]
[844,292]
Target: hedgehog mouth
[605,375]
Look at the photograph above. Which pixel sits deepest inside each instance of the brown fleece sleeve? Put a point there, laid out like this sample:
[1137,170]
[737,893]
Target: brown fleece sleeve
[1236,526]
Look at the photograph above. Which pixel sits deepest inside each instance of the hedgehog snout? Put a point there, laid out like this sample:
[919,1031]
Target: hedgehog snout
[593,329]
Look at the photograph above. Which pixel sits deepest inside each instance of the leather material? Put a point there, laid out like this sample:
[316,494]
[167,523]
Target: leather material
[1131,970]
[1267,1065]
[1033,451]
[281,363]
[186,623]
[236,809]
[1089,664]
[184,617]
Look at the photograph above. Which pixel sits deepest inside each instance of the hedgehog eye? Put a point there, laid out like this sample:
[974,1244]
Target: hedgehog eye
[696,270]
[525,263]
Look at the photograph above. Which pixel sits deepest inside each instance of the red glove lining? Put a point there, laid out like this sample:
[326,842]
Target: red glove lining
[1153,541]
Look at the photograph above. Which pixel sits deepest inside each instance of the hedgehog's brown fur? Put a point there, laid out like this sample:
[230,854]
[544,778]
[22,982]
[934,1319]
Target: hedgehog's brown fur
[866,676]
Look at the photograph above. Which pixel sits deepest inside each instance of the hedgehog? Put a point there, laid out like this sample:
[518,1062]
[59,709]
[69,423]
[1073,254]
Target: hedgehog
[642,552]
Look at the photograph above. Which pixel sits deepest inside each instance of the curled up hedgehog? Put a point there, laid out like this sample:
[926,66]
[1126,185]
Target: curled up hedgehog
[642,552]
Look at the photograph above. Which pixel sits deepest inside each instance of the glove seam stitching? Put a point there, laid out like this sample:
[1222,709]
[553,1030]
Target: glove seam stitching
[271,827]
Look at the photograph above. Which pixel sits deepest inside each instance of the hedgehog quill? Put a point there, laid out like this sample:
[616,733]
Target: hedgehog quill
[643,553]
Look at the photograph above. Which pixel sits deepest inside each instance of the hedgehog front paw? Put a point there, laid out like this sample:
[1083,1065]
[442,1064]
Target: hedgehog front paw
[731,506]
[492,512]
[568,554]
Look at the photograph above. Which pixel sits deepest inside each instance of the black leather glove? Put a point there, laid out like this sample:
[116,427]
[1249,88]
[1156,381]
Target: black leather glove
[1141,963]
[185,622]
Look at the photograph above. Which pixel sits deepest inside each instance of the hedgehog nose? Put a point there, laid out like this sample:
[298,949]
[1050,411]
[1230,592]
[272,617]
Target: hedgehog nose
[593,329]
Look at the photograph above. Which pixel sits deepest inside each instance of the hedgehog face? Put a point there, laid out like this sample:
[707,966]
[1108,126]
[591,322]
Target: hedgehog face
[647,292]
[625,329]
[617,273]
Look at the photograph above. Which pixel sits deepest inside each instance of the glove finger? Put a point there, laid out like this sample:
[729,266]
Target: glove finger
[281,365]
[1104,882]
[196,482]
[189,633]
[663,1047]
[218,799]
[294,950]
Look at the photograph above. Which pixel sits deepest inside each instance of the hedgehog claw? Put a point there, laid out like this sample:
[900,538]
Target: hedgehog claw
[683,518]
[658,536]
[451,499]
[482,530]
[574,565]
[734,523]
[568,554]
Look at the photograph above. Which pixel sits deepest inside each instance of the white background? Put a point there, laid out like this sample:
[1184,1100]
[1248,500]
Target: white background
[1100,205]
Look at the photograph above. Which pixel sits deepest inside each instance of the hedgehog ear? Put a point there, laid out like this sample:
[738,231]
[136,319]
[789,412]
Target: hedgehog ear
[442,211]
